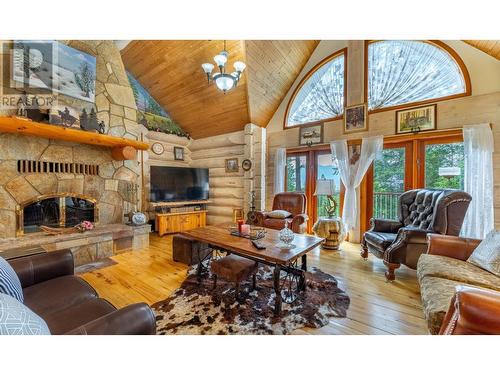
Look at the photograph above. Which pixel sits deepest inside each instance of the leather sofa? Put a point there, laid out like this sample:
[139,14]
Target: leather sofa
[69,305]
[420,211]
[295,203]
[441,271]
[472,311]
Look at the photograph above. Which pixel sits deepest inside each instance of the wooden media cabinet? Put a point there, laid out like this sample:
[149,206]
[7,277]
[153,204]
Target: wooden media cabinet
[181,216]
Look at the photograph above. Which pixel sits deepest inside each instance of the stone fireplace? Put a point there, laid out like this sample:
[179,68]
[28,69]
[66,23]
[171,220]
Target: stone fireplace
[61,183]
[62,210]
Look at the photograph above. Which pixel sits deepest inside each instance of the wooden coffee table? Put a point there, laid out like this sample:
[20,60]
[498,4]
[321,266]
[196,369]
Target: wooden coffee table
[288,277]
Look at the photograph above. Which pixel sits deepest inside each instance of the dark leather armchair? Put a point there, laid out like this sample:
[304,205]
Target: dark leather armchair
[69,305]
[421,211]
[295,203]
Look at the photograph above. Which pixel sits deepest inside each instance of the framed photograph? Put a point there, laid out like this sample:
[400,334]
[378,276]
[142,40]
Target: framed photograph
[414,120]
[60,69]
[232,165]
[354,151]
[310,135]
[356,118]
[178,153]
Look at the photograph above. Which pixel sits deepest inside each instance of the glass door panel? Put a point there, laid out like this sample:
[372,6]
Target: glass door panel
[296,173]
[327,170]
[388,182]
[444,165]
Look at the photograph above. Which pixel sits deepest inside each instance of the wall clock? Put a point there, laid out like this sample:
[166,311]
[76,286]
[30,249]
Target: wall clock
[246,165]
[157,148]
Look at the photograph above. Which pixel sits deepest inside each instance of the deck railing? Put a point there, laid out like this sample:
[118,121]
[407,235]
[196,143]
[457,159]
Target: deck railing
[385,205]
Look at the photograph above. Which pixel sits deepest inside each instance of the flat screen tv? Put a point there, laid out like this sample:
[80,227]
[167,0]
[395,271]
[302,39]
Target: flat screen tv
[175,184]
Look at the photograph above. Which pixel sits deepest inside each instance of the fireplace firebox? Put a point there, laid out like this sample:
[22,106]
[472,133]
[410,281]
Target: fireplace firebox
[56,210]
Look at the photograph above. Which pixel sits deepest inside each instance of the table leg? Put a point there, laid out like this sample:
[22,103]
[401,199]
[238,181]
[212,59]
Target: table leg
[304,262]
[277,290]
[199,270]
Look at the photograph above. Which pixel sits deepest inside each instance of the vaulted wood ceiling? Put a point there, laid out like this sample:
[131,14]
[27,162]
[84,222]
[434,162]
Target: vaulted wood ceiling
[171,71]
[491,47]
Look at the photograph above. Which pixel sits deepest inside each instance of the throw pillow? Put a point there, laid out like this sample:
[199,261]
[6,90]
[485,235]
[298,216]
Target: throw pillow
[487,254]
[9,282]
[17,319]
[279,214]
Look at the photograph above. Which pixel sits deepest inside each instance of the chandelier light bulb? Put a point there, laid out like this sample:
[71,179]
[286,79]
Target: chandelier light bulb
[224,82]
[221,59]
[207,67]
[239,66]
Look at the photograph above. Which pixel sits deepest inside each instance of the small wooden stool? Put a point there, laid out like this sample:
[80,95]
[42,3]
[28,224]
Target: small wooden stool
[235,269]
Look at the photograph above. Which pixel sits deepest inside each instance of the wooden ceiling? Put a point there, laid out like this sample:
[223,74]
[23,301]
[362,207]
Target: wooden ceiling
[491,47]
[171,71]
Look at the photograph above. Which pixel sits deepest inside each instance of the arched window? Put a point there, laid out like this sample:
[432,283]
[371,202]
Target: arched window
[320,94]
[402,72]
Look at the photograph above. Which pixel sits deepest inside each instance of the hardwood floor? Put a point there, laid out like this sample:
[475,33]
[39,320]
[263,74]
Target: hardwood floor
[377,307]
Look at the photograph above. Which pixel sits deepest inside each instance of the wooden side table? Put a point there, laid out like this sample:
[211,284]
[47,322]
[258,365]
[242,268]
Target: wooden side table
[332,230]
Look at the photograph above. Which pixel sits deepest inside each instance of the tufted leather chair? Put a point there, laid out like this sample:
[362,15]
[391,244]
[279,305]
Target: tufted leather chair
[295,203]
[421,211]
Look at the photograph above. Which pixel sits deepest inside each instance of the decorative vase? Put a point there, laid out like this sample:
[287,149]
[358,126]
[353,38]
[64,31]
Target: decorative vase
[286,237]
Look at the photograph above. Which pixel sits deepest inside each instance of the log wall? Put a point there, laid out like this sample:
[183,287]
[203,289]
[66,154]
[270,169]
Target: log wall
[226,189]
[166,159]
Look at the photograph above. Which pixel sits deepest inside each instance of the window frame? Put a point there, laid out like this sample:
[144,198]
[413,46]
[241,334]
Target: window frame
[304,79]
[436,43]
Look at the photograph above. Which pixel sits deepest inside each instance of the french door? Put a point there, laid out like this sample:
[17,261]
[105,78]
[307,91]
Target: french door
[426,161]
[303,169]
[390,175]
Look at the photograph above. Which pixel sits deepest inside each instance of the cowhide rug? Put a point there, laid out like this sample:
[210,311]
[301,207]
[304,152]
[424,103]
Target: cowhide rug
[195,308]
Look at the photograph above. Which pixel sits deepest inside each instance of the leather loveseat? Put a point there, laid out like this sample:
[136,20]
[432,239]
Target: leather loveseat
[295,203]
[420,211]
[69,305]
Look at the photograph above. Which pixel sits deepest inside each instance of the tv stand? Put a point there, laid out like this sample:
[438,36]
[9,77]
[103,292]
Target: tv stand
[174,217]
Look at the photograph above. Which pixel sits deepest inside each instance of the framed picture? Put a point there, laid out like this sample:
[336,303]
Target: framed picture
[354,151]
[310,135]
[60,69]
[356,118]
[418,119]
[232,165]
[178,153]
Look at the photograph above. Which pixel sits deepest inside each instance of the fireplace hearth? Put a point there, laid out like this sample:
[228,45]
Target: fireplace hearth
[57,210]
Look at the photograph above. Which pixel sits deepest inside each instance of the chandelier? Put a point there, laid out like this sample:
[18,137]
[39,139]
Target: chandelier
[223,80]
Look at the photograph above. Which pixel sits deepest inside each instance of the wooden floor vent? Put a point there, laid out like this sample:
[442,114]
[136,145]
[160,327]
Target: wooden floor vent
[34,166]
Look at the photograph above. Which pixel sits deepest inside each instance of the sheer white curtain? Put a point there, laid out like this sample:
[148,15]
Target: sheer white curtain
[405,71]
[478,149]
[322,95]
[279,170]
[352,174]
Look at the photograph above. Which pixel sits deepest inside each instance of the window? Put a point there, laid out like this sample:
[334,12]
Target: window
[327,169]
[401,72]
[320,95]
[444,165]
[389,181]
[296,173]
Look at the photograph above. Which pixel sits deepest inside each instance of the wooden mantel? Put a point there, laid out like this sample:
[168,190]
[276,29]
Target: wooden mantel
[122,148]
